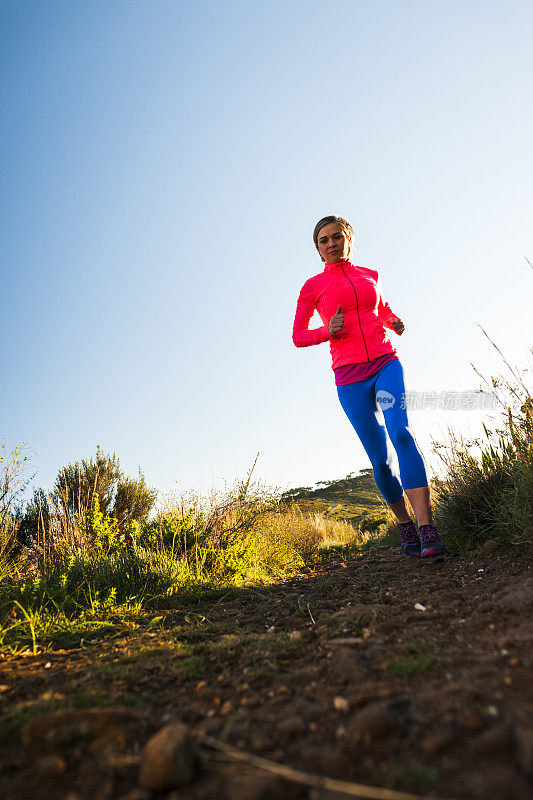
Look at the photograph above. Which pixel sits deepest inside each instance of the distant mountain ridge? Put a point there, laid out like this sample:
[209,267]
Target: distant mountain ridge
[354,498]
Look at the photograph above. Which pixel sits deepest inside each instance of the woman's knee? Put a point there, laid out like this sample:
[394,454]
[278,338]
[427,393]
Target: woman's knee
[381,469]
[401,437]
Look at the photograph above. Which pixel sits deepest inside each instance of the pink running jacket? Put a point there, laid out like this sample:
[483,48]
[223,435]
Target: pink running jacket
[358,291]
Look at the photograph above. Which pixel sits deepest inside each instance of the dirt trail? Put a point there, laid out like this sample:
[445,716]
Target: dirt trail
[336,672]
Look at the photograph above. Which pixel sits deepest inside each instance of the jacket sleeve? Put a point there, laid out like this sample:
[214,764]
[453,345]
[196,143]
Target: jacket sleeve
[385,313]
[305,308]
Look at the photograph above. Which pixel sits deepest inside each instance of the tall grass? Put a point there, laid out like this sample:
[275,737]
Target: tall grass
[92,572]
[85,572]
[490,495]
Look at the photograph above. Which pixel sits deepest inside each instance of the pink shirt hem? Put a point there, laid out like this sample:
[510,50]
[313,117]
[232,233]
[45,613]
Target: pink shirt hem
[351,373]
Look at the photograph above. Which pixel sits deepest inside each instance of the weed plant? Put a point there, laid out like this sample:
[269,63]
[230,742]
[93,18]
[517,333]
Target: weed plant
[490,496]
[88,572]
[93,574]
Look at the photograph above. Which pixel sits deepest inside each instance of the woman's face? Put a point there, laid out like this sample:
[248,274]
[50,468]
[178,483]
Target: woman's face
[332,243]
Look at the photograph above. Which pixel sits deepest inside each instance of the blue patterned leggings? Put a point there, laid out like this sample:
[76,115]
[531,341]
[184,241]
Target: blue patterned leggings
[371,406]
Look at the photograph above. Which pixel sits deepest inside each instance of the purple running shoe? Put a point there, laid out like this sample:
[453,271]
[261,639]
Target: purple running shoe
[409,539]
[430,543]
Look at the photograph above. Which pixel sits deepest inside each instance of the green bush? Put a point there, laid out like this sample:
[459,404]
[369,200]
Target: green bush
[178,531]
[94,570]
[60,514]
[490,496]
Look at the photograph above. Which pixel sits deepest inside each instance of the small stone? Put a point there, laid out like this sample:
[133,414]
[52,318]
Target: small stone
[50,766]
[295,635]
[4,688]
[341,703]
[201,687]
[227,707]
[251,700]
[167,759]
[420,607]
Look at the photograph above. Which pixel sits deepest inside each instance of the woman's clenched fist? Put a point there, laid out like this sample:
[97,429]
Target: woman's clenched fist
[336,322]
[397,325]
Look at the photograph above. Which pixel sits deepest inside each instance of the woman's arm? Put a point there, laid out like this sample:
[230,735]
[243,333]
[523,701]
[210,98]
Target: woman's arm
[305,308]
[386,314]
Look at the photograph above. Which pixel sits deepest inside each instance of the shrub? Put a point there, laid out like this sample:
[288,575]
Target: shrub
[490,495]
[97,569]
[60,514]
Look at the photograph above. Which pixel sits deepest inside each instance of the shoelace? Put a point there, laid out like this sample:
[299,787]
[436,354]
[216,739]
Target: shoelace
[408,533]
[427,533]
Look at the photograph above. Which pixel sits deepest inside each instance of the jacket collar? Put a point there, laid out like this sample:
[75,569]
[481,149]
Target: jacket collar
[329,266]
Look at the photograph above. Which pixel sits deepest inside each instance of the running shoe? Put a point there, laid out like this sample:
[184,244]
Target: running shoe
[430,543]
[409,539]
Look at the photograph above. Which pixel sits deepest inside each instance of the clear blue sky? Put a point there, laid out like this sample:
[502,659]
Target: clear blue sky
[163,166]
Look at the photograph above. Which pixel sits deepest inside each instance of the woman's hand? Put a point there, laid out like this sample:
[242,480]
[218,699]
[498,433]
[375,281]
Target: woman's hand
[336,322]
[397,325]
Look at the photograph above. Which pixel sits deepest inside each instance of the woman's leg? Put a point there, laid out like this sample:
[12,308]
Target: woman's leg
[359,404]
[390,389]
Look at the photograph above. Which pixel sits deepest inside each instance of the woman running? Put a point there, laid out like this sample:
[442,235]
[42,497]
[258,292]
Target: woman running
[369,377]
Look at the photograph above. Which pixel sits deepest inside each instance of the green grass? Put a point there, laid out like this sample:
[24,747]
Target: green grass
[409,665]
[95,582]
[490,494]
[101,587]
[192,667]
[410,778]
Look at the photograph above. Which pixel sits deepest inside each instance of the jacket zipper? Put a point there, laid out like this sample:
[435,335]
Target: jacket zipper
[358,316]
